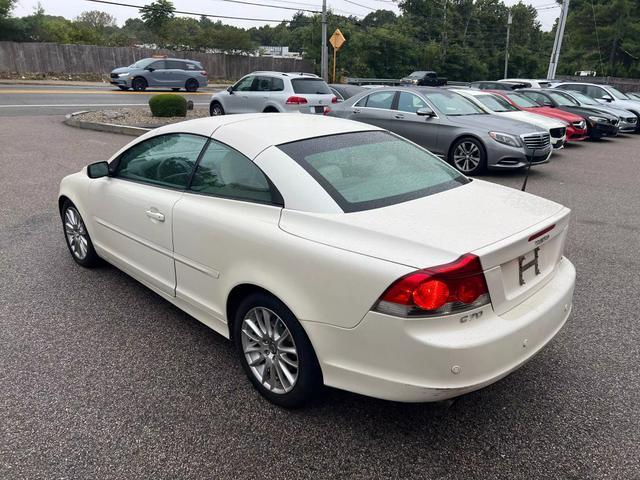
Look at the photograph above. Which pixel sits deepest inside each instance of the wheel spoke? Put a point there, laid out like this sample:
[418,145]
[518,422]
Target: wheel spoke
[269,350]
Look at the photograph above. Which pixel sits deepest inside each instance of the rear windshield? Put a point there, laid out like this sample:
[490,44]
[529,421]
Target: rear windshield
[310,86]
[417,74]
[365,170]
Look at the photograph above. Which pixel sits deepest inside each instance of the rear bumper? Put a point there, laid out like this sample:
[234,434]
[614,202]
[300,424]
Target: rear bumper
[420,360]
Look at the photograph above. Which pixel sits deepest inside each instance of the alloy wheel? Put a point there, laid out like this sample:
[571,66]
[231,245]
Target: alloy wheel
[76,233]
[269,350]
[466,156]
[216,110]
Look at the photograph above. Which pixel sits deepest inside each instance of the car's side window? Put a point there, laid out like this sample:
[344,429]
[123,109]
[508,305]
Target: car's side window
[165,160]
[225,172]
[157,65]
[409,102]
[175,65]
[277,85]
[262,84]
[380,100]
[244,85]
[596,92]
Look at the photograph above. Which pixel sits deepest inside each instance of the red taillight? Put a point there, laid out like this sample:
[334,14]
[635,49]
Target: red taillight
[444,289]
[296,100]
[327,110]
[334,99]
[203,73]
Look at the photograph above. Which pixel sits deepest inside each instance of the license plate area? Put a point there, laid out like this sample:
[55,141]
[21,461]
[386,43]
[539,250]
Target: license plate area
[528,266]
[317,109]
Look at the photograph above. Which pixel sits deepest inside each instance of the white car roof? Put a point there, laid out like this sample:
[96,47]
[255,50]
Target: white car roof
[252,133]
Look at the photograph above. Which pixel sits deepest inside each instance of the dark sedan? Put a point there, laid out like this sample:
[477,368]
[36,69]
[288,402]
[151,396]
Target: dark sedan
[599,123]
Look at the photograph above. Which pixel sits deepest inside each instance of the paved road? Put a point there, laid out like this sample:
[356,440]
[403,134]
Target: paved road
[100,378]
[29,100]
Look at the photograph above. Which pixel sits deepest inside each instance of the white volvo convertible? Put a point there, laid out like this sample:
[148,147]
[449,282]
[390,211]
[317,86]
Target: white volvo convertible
[331,252]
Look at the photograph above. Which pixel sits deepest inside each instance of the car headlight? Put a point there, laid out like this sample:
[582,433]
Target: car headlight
[597,119]
[506,139]
[123,74]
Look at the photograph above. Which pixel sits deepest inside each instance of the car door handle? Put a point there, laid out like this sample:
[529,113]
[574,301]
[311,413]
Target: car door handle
[399,115]
[356,110]
[155,215]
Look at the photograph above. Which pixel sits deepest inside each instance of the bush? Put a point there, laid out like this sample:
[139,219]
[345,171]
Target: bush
[168,105]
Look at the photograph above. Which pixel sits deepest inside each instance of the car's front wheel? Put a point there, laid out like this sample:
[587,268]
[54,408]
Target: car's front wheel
[139,84]
[275,352]
[77,236]
[468,156]
[216,109]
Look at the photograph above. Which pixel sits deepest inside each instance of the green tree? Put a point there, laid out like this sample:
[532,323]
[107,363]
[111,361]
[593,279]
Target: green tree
[157,15]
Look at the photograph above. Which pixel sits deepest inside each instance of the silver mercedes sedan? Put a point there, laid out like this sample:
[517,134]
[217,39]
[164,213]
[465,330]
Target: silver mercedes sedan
[450,126]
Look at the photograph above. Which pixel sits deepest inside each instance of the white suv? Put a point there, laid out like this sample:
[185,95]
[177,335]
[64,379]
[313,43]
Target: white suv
[274,92]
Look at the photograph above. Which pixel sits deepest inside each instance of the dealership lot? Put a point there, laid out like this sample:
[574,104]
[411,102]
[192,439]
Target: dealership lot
[101,378]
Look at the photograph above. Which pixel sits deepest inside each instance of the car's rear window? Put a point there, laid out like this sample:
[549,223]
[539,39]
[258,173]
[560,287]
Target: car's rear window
[523,101]
[310,86]
[365,170]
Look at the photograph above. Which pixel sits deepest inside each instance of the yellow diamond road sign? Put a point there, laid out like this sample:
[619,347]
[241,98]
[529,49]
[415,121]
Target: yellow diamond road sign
[337,39]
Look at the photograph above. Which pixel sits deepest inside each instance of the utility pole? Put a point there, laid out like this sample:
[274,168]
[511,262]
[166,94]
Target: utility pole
[506,51]
[324,56]
[557,45]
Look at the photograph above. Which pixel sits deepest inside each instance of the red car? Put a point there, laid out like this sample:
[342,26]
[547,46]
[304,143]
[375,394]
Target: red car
[577,128]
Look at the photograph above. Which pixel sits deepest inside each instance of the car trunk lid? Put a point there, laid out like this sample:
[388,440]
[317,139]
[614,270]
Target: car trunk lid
[494,222]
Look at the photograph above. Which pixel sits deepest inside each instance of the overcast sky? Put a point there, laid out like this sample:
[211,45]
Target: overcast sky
[71,8]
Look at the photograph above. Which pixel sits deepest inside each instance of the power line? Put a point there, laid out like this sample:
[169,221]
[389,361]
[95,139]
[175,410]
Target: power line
[271,6]
[360,5]
[138,7]
[295,3]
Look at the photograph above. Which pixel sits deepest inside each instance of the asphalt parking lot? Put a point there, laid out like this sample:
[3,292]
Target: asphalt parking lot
[101,378]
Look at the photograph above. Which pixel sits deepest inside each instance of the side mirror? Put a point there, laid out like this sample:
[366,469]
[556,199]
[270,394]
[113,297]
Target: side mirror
[547,103]
[149,69]
[230,90]
[98,170]
[425,112]
[607,98]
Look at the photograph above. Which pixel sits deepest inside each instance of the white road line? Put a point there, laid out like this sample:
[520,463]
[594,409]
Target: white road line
[61,105]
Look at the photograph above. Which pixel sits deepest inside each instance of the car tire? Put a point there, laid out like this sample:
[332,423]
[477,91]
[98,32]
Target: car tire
[77,237]
[191,85]
[139,84]
[215,109]
[275,352]
[123,88]
[468,156]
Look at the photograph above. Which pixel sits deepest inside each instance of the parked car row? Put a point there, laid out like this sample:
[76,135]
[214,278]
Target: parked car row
[519,123]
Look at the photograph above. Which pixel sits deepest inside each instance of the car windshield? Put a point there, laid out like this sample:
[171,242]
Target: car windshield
[495,103]
[617,93]
[453,104]
[365,170]
[582,98]
[142,63]
[563,100]
[522,101]
[310,86]
[417,74]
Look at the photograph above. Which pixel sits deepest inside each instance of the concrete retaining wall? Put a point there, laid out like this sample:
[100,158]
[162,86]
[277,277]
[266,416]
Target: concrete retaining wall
[54,58]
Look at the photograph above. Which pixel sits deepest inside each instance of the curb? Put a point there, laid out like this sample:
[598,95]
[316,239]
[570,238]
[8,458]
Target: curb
[103,127]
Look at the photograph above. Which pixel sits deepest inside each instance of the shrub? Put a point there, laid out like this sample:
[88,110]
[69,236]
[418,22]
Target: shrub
[168,105]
